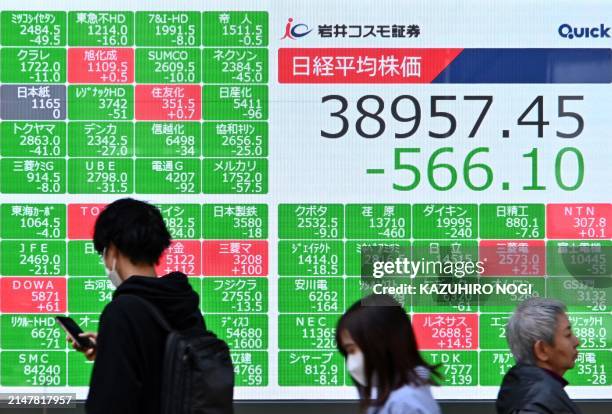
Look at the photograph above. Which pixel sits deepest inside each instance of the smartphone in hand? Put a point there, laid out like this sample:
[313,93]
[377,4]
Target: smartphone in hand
[73,330]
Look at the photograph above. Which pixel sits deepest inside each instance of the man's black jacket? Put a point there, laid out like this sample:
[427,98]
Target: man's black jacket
[531,389]
[126,377]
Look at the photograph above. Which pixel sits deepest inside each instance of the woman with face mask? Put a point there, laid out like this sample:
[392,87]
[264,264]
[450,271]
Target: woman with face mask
[376,338]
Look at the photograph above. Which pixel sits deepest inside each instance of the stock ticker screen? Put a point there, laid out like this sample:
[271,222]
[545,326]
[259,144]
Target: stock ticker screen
[280,140]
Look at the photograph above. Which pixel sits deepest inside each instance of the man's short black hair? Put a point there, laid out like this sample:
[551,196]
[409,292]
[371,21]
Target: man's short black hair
[136,228]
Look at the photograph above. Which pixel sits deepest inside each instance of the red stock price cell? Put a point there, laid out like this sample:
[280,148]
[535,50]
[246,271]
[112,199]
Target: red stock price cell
[578,221]
[168,102]
[100,65]
[446,330]
[513,257]
[235,258]
[33,295]
[81,220]
[182,256]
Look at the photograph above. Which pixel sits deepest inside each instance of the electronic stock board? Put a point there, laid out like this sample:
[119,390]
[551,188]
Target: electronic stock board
[281,138]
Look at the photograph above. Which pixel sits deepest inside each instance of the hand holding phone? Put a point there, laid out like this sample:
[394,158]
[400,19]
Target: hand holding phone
[75,333]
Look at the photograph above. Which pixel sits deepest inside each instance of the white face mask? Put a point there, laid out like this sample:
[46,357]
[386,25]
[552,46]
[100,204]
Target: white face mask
[112,273]
[356,367]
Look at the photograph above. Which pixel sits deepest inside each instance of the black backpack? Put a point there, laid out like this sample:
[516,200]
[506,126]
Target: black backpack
[198,375]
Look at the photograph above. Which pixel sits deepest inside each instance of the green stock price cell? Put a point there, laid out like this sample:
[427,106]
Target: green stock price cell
[33,221]
[446,251]
[310,258]
[241,332]
[354,289]
[236,28]
[235,139]
[33,368]
[310,368]
[512,221]
[592,368]
[494,365]
[168,139]
[168,176]
[169,65]
[83,260]
[87,321]
[307,331]
[445,221]
[512,291]
[493,329]
[235,221]
[79,368]
[308,294]
[579,258]
[89,294]
[235,102]
[361,254]
[235,176]
[182,220]
[250,368]
[33,28]
[33,175]
[33,258]
[35,332]
[378,221]
[235,65]
[581,293]
[100,102]
[234,295]
[32,65]
[33,139]
[592,330]
[100,139]
[100,175]
[311,221]
[175,29]
[459,368]
[98,28]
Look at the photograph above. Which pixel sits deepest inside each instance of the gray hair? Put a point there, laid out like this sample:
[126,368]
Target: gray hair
[535,319]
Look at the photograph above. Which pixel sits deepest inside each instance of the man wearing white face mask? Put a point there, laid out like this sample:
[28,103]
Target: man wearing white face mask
[112,273]
[126,378]
[375,335]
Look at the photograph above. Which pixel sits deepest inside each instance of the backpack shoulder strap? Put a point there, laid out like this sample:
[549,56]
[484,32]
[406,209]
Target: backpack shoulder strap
[159,317]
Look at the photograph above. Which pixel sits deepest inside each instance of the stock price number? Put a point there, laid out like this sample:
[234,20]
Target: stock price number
[476,174]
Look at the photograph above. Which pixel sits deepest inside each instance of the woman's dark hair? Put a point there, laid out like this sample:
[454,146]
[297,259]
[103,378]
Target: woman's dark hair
[380,327]
[136,228]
